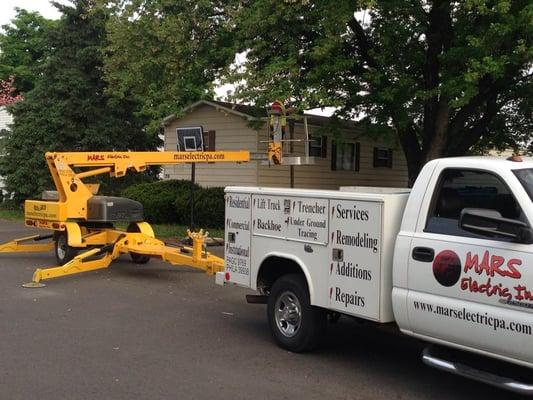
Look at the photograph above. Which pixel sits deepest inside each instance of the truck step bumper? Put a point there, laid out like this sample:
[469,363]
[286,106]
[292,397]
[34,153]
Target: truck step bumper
[432,357]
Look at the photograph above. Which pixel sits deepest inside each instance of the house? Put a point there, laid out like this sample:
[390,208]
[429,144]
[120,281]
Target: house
[354,160]
[6,119]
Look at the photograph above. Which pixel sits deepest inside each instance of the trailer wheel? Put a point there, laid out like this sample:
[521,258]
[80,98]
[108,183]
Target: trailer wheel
[136,257]
[64,252]
[295,324]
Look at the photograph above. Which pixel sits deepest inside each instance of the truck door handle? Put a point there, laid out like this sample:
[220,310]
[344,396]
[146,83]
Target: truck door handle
[424,254]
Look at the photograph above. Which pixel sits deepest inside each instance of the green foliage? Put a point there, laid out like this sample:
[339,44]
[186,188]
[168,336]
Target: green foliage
[158,200]
[169,202]
[165,54]
[440,76]
[209,207]
[24,48]
[69,110]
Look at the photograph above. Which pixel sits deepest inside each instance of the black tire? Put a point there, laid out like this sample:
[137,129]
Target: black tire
[295,331]
[64,253]
[136,257]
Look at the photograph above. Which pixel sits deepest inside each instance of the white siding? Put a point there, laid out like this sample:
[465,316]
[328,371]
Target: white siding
[6,119]
[232,133]
[321,176]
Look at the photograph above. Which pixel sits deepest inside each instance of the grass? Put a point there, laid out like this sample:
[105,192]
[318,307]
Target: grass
[11,214]
[161,230]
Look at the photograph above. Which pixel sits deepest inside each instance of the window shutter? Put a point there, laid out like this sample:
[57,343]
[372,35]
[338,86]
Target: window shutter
[324,149]
[389,161]
[333,155]
[375,157]
[211,140]
[357,156]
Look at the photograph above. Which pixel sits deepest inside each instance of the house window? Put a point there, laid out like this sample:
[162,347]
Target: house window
[318,146]
[382,157]
[345,156]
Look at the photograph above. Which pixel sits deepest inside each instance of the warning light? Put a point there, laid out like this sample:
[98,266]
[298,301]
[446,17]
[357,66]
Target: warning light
[515,158]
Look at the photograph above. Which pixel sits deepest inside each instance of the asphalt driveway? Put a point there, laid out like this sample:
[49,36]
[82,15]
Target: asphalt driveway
[161,332]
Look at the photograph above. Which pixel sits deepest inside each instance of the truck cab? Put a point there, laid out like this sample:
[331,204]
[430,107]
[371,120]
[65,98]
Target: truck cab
[463,262]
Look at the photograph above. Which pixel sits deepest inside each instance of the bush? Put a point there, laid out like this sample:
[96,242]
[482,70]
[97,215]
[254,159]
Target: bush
[158,199]
[208,208]
[169,202]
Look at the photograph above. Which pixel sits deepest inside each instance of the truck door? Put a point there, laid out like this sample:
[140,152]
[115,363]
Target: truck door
[467,289]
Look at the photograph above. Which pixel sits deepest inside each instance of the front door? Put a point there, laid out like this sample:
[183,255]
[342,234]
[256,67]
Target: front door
[464,288]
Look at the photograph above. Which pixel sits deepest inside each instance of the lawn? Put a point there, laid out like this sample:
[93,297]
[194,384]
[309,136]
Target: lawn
[161,230]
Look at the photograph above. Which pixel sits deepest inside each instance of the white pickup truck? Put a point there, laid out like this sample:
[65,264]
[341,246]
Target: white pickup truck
[450,261]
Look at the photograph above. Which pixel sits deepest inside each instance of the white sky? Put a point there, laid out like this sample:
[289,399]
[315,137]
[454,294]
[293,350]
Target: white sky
[47,10]
[7,9]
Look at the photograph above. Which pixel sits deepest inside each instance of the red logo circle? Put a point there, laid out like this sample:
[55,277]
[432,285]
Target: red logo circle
[447,268]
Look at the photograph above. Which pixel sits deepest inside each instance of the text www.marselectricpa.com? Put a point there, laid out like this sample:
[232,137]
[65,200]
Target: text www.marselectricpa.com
[474,317]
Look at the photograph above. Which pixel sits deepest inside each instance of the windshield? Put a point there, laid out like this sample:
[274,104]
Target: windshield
[525,176]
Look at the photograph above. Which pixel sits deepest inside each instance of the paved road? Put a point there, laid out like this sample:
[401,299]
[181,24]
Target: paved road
[160,332]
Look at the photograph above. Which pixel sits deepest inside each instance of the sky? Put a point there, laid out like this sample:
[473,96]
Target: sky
[7,9]
[47,10]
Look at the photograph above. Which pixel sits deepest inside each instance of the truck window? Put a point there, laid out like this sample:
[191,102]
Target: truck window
[458,189]
[525,176]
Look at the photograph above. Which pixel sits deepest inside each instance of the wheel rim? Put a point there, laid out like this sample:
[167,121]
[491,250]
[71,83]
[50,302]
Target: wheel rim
[62,247]
[288,314]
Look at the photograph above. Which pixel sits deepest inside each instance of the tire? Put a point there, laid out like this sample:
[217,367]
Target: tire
[136,257]
[64,253]
[295,324]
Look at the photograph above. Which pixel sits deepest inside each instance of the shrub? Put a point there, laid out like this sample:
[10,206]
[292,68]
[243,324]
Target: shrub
[158,199]
[169,202]
[208,208]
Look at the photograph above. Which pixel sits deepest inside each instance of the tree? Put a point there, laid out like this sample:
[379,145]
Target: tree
[166,53]
[441,76]
[68,110]
[24,48]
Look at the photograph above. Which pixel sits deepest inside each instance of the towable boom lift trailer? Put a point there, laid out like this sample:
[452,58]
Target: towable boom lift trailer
[82,220]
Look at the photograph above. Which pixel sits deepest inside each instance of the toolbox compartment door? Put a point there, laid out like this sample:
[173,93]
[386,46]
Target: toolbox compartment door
[237,238]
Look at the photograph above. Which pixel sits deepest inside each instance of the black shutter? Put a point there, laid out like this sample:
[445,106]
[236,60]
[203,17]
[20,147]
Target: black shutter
[357,156]
[375,157]
[333,155]
[389,160]
[211,140]
[324,149]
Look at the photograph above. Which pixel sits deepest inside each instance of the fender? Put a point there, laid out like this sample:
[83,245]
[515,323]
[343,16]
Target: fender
[299,262]
[74,234]
[145,228]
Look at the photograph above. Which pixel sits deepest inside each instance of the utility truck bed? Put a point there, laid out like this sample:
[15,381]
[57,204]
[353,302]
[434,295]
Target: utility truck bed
[345,237]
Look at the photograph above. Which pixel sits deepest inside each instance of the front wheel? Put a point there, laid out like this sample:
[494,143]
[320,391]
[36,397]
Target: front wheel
[64,252]
[295,324]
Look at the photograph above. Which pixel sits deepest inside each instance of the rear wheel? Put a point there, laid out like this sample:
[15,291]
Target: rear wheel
[64,252]
[136,257]
[295,324]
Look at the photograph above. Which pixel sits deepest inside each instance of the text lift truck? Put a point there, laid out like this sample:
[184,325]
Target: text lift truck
[80,219]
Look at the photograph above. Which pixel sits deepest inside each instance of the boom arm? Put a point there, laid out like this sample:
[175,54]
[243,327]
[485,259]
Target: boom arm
[74,193]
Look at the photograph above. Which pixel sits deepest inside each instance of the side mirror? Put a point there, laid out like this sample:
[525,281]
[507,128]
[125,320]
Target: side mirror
[490,223]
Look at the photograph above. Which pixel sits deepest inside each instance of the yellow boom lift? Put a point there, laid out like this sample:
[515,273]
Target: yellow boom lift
[82,220]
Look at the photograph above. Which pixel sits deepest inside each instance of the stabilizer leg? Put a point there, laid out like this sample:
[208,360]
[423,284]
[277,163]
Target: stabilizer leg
[17,246]
[75,266]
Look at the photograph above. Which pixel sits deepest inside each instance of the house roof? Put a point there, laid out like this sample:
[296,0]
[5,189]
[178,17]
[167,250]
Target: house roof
[253,113]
